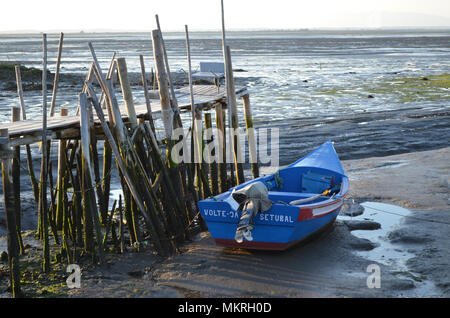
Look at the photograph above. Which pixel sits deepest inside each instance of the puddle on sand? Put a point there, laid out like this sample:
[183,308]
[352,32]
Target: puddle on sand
[393,255]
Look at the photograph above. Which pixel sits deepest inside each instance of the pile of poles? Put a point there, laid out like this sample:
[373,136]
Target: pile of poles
[159,203]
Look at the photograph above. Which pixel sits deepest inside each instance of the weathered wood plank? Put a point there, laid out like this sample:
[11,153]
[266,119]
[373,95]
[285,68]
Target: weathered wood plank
[206,96]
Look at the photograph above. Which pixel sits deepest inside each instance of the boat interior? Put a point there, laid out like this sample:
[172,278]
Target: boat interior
[297,183]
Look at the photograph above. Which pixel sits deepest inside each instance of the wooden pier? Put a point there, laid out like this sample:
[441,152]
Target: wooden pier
[28,131]
[158,206]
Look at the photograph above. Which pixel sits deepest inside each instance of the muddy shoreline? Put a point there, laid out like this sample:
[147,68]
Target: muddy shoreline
[328,266]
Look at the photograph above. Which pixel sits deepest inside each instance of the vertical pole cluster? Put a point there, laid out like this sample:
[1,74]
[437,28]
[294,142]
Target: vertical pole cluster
[158,201]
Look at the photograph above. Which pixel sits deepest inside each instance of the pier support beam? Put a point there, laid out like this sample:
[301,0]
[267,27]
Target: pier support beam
[15,116]
[251,136]
[234,123]
[9,202]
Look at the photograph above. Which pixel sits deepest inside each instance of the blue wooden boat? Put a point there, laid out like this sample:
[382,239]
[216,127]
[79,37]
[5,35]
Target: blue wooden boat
[306,197]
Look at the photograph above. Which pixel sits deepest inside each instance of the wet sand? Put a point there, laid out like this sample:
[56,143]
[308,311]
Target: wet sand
[327,266]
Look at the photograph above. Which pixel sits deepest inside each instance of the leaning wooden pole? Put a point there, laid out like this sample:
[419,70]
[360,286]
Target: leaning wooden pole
[176,111]
[253,155]
[196,114]
[147,97]
[164,96]
[234,124]
[9,202]
[60,189]
[34,183]
[56,79]
[43,208]
[159,245]
[212,156]
[197,132]
[90,204]
[126,91]
[231,105]
[222,148]
[15,116]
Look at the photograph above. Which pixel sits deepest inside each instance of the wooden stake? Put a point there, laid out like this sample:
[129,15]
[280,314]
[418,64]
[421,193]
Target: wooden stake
[122,238]
[176,111]
[222,148]
[126,91]
[161,74]
[196,114]
[211,149]
[34,184]
[90,208]
[15,116]
[56,79]
[10,213]
[110,75]
[62,169]
[234,125]
[147,97]
[43,209]
[251,136]
[124,171]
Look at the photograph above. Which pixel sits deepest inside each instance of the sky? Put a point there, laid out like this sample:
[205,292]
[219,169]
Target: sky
[138,15]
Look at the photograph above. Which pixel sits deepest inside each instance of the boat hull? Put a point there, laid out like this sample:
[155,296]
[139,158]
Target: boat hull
[270,236]
[272,246]
[300,207]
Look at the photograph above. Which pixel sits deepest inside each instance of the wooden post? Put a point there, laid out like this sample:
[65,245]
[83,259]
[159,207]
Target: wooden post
[195,152]
[234,124]
[197,129]
[9,200]
[222,147]
[110,75]
[15,116]
[61,174]
[211,149]
[196,114]
[43,208]
[56,79]
[90,203]
[34,184]
[126,91]
[253,155]
[153,228]
[231,103]
[122,238]
[176,111]
[166,110]
[20,91]
[147,98]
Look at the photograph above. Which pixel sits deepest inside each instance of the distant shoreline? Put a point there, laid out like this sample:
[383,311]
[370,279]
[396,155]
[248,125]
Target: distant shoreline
[404,29]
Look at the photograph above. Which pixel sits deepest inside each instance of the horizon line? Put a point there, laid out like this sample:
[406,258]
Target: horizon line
[382,28]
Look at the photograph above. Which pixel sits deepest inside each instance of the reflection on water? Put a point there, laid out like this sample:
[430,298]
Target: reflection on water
[394,255]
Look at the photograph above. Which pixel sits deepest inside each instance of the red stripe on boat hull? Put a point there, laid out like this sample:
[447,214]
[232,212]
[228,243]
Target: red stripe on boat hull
[270,246]
[267,246]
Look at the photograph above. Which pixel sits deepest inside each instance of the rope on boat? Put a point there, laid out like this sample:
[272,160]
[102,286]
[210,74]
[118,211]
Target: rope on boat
[408,216]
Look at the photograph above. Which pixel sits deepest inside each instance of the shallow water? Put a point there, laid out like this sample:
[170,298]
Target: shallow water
[393,255]
[312,85]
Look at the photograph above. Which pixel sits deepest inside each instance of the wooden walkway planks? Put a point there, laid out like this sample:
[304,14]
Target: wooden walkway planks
[28,131]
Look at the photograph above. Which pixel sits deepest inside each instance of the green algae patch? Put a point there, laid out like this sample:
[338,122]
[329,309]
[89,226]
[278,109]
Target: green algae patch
[410,89]
[28,74]
[397,89]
